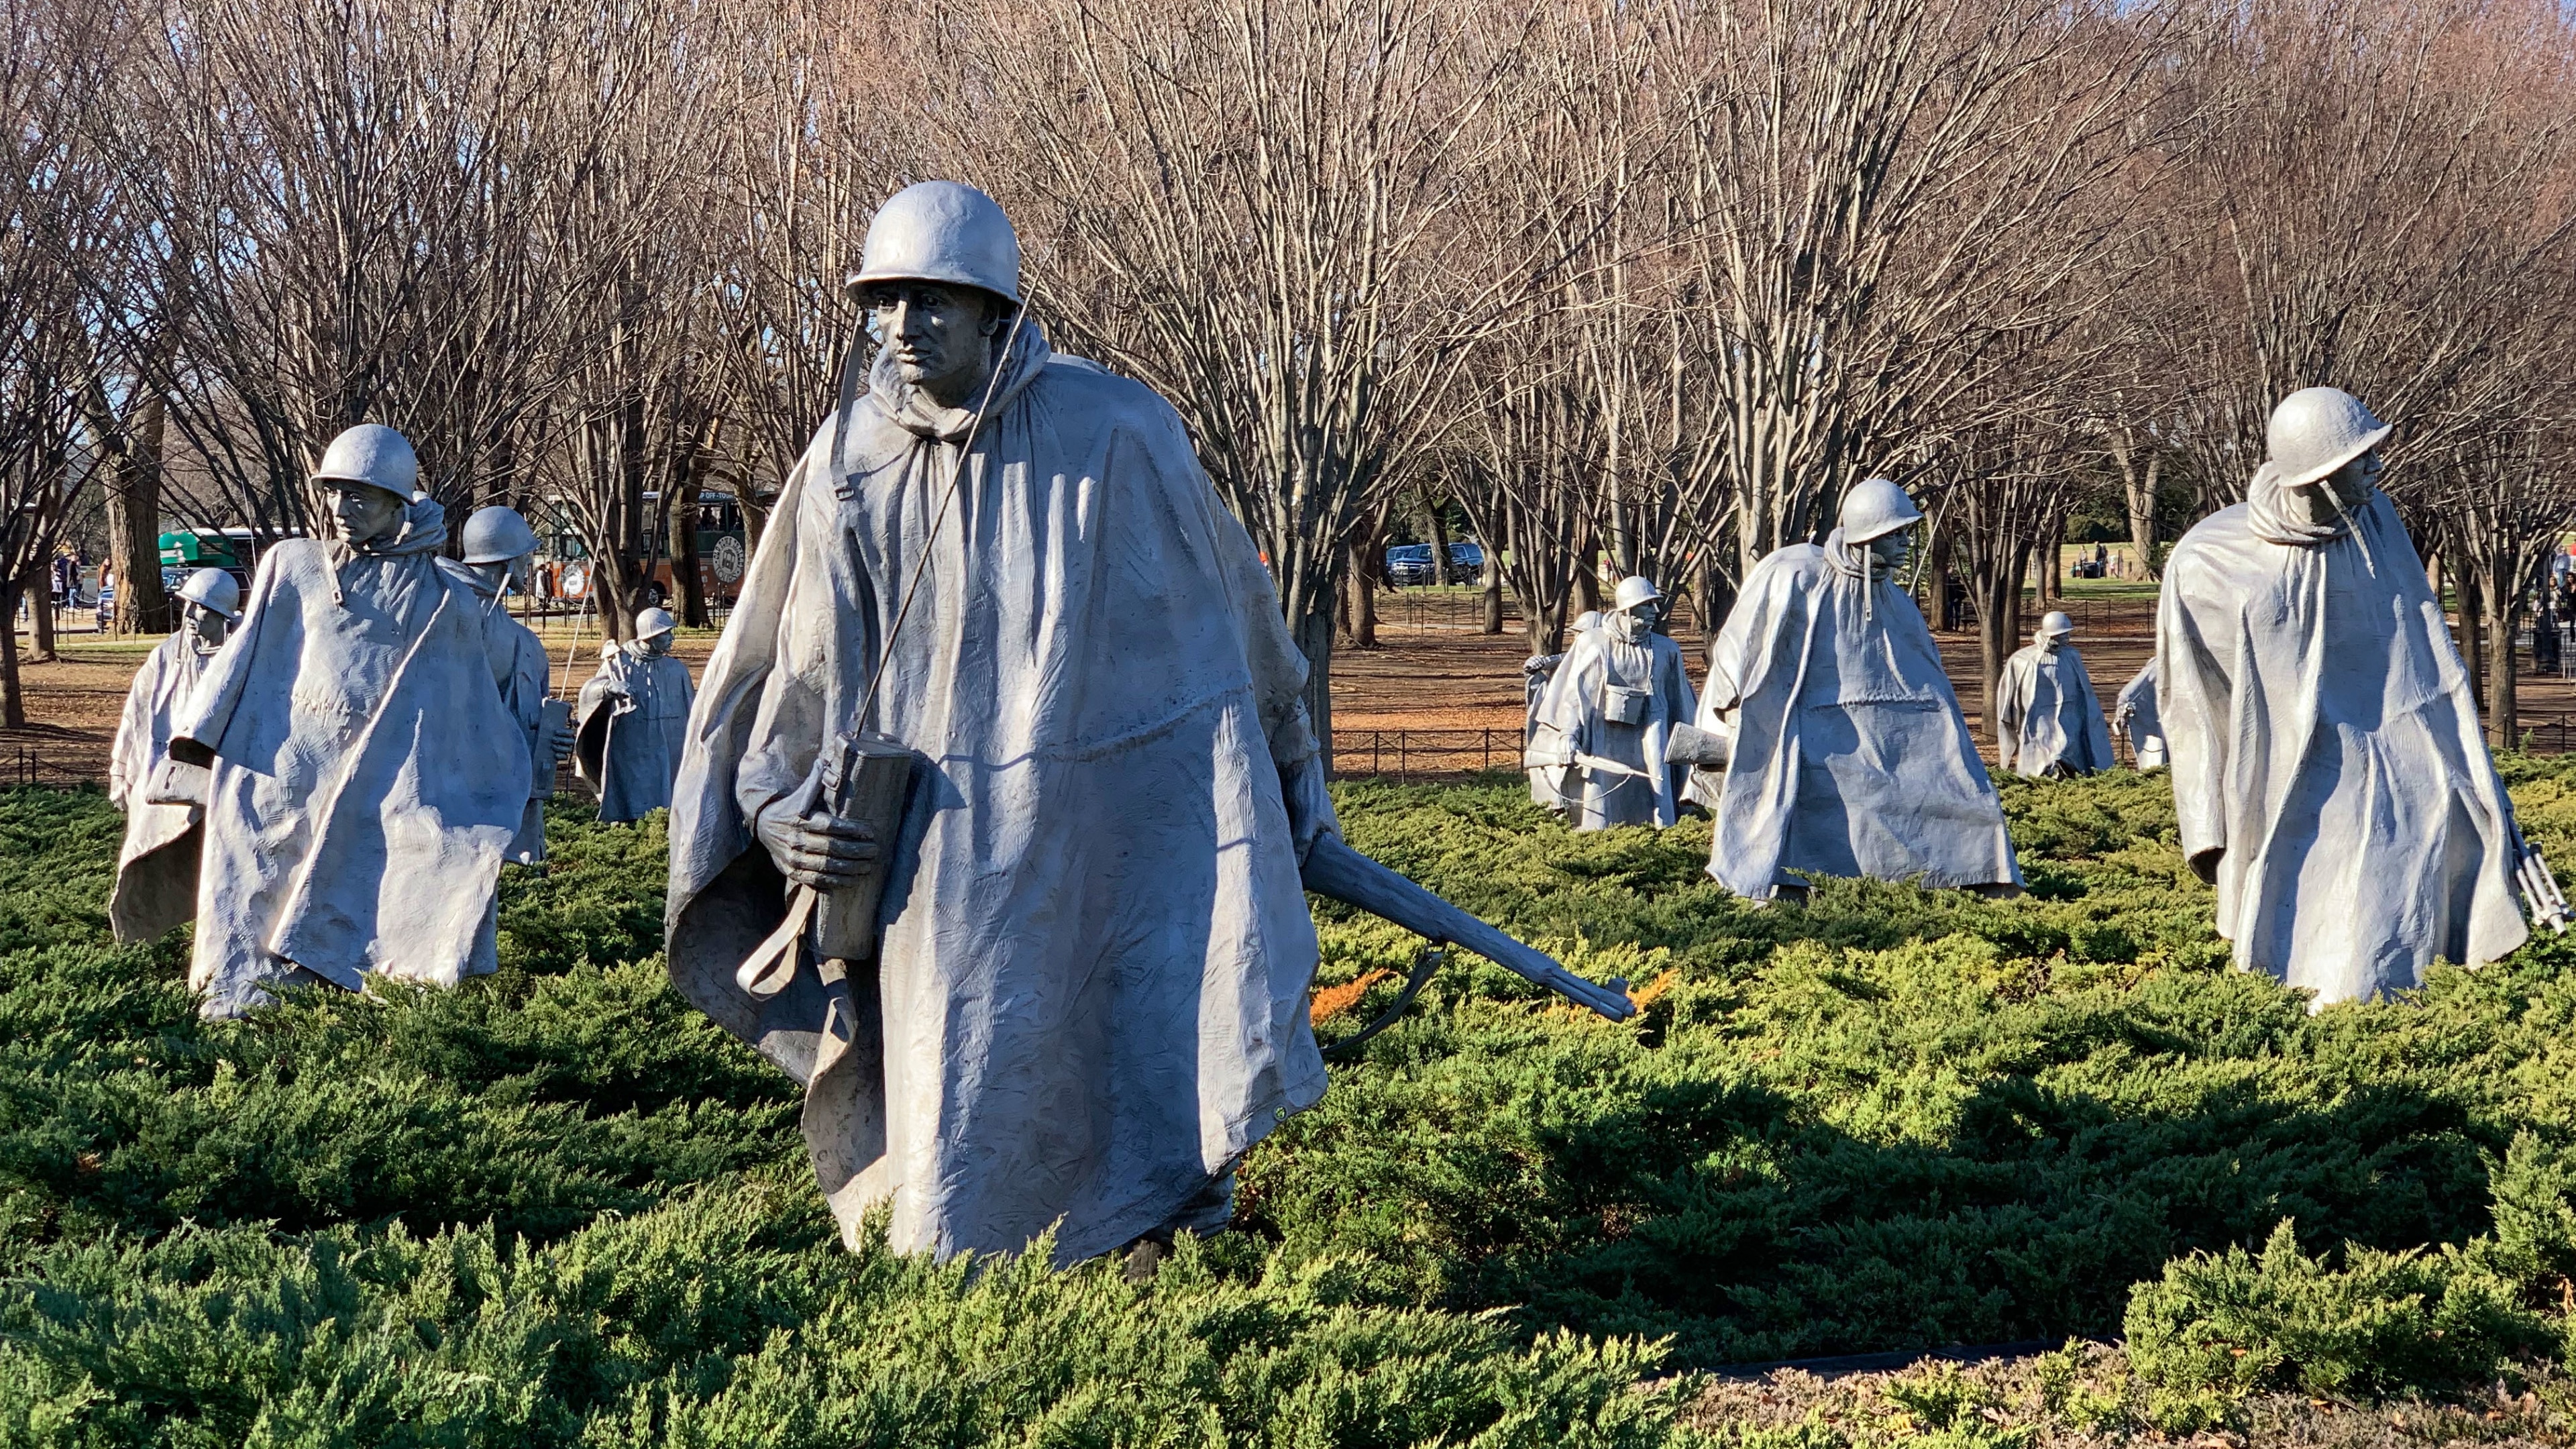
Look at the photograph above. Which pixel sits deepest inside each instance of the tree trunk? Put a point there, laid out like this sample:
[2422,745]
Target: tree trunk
[1436,529]
[1998,627]
[1361,581]
[1493,590]
[1587,575]
[2052,563]
[2472,606]
[2142,517]
[133,492]
[682,528]
[13,698]
[40,614]
[2503,606]
[1315,641]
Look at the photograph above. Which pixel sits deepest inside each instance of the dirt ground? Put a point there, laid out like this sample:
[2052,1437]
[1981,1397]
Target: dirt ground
[1435,695]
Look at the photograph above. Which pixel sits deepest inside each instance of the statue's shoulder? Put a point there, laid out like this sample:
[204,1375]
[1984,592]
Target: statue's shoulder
[1077,390]
[2216,544]
[1799,563]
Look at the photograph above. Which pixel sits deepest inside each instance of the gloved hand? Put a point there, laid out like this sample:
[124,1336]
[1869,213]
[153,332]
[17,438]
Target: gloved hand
[821,851]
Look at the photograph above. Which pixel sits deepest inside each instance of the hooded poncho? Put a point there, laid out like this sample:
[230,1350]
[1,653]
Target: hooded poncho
[2134,713]
[634,727]
[156,871]
[1578,708]
[366,775]
[1090,993]
[2328,772]
[2048,717]
[1850,756]
[519,662]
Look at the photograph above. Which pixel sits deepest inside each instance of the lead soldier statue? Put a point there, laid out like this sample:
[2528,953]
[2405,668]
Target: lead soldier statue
[2048,720]
[635,721]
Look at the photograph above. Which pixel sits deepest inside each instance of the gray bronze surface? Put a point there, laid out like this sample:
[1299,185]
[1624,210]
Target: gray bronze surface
[1849,756]
[357,808]
[156,869]
[1607,718]
[2328,770]
[634,716]
[2134,714]
[2047,717]
[499,550]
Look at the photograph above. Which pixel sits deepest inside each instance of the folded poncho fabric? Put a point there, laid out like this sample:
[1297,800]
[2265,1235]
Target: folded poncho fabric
[2328,770]
[2135,712]
[2048,717]
[366,775]
[1090,993]
[156,870]
[519,661]
[635,724]
[1576,710]
[1850,755]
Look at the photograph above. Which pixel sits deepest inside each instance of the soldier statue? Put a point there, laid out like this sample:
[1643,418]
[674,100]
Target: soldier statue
[635,721]
[1848,755]
[2329,775]
[2048,720]
[156,871]
[500,552]
[1610,711]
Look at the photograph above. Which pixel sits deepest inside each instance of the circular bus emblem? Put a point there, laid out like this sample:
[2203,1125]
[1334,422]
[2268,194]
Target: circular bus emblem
[728,560]
[575,581]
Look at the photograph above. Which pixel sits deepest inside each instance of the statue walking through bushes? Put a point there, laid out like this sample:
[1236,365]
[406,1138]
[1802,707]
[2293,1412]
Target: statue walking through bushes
[366,775]
[1092,954]
[500,556]
[2048,720]
[2328,770]
[1848,753]
[2134,714]
[1609,716]
[635,721]
[156,871]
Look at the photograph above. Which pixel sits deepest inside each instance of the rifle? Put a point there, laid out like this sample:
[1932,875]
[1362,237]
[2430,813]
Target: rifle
[2539,885]
[1336,872]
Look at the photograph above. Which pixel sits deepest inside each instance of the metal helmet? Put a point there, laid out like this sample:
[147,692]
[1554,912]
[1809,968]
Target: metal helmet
[2317,430]
[942,231]
[215,590]
[650,623]
[1875,508]
[373,454]
[1633,591]
[497,535]
[1587,621]
[2055,622]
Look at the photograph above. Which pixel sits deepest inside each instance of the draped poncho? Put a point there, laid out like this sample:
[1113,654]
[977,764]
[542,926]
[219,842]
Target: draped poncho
[2134,713]
[519,662]
[156,870]
[2329,775]
[1090,992]
[1850,756]
[2048,718]
[366,775]
[1576,709]
[634,726]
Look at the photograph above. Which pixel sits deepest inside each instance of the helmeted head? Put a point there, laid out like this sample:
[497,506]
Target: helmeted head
[1634,591]
[1875,508]
[2316,431]
[211,599]
[941,231]
[498,535]
[372,477]
[1633,608]
[215,590]
[654,624]
[2054,627]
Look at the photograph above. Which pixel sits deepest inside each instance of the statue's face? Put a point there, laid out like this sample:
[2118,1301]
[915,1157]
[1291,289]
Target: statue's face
[1892,549]
[1631,626]
[2351,483]
[518,574]
[209,626]
[658,645]
[363,514]
[941,337]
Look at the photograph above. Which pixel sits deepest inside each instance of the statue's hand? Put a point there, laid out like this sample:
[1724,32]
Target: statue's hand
[557,740]
[821,851]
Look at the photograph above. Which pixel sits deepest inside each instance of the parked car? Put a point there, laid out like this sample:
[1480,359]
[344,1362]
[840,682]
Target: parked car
[1410,563]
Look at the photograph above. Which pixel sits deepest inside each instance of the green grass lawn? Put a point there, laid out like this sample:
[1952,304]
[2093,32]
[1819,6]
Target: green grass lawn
[557,1207]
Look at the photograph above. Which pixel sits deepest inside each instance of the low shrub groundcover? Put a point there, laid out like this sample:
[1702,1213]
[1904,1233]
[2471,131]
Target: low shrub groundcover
[557,1207]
